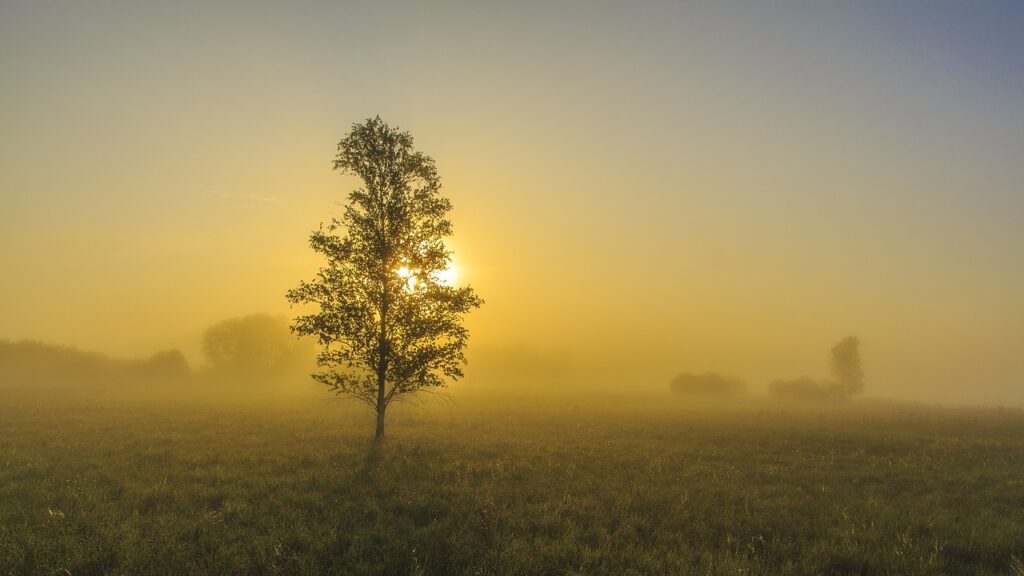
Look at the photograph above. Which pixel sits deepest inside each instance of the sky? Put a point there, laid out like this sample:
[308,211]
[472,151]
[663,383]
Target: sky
[640,189]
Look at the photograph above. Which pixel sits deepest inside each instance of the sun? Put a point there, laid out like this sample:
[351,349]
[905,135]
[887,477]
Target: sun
[449,275]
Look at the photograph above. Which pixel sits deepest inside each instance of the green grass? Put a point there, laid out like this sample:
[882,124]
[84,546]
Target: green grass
[471,489]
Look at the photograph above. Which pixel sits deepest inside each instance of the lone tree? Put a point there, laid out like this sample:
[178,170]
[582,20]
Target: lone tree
[847,368]
[388,323]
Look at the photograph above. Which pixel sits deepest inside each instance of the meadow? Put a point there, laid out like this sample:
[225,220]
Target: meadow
[509,487]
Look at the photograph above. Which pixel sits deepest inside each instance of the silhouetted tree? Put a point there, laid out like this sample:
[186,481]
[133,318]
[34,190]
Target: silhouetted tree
[387,323]
[846,367]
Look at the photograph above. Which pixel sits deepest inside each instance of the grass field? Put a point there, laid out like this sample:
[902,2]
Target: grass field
[480,489]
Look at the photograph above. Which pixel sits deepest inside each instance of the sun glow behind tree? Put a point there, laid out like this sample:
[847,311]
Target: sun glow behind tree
[446,277]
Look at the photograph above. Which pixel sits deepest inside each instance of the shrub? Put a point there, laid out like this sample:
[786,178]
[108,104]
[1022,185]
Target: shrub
[709,385]
[802,389]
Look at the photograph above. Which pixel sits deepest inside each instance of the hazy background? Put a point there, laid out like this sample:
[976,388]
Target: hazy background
[639,189]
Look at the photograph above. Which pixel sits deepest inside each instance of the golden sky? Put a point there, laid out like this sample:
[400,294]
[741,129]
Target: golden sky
[639,189]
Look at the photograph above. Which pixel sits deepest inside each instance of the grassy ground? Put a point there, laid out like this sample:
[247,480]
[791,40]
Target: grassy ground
[470,489]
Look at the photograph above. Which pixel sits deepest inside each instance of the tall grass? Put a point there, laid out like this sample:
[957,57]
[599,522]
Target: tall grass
[475,490]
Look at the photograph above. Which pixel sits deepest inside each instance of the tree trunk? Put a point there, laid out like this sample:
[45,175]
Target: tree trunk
[378,438]
[383,350]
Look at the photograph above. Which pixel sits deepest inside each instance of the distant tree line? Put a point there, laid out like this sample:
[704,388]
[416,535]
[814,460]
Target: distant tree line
[255,351]
[31,364]
[847,381]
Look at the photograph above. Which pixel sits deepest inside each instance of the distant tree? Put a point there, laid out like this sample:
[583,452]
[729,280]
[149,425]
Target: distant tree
[387,323]
[165,365]
[846,367]
[258,347]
